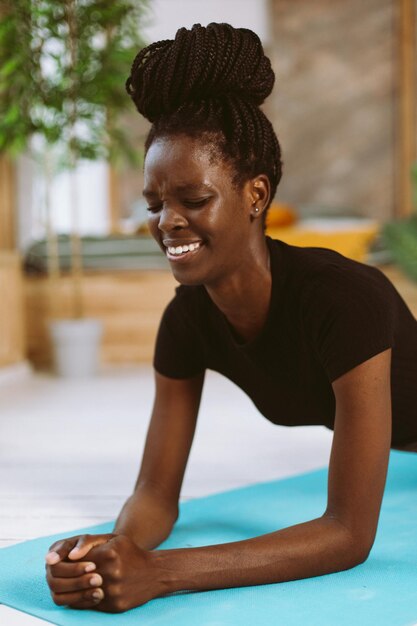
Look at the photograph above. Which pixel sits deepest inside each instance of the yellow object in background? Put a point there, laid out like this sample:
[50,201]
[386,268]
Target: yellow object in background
[280,215]
[353,242]
[351,237]
[143,229]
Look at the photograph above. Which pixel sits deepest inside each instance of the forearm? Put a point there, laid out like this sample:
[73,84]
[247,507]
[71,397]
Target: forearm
[146,519]
[314,548]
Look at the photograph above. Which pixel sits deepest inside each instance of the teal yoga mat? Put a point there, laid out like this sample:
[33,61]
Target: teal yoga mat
[382,591]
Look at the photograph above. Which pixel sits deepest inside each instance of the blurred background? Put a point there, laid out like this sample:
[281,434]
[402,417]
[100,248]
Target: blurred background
[79,272]
[83,285]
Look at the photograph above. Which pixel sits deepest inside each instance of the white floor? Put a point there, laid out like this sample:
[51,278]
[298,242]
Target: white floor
[71,450]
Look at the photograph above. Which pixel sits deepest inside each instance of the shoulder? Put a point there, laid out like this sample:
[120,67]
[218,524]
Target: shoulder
[310,271]
[352,284]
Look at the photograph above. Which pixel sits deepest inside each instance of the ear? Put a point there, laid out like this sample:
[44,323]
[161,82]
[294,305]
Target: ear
[260,192]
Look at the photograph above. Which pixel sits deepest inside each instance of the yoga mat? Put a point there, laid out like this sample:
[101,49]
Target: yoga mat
[381,591]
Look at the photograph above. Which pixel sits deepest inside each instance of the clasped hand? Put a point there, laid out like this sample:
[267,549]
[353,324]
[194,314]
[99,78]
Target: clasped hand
[117,570]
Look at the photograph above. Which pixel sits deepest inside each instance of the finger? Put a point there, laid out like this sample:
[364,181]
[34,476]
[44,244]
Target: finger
[84,599]
[87,605]
[68,585]
[91,602]
[84,545]
[60,549]
[64,569]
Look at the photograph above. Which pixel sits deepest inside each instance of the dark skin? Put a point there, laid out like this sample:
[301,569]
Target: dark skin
[192,200]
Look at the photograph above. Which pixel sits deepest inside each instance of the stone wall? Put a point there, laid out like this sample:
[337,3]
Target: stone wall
[332,105]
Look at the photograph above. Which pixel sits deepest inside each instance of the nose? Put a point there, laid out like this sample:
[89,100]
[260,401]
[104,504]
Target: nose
[171,219]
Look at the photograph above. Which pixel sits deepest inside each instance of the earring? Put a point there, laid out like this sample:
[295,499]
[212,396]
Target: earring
[256,210]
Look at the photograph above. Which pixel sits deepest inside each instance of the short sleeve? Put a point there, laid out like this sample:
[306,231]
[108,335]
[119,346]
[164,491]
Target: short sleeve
[349,317]
[178,349]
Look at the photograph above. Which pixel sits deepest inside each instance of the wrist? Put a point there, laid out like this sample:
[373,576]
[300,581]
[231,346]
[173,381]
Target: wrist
[162,562]
[146,520]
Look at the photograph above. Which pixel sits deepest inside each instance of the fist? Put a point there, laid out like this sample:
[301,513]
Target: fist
[129,575]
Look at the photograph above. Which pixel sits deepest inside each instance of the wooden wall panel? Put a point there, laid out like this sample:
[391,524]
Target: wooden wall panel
[12,345]
[7,205]
[407,105]
[129,303]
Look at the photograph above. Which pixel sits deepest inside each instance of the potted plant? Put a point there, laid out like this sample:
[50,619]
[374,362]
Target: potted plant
[62,73]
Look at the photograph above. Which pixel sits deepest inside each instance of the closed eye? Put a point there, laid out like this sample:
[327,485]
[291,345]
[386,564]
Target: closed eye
[154,209]
[192,204]
[195,204]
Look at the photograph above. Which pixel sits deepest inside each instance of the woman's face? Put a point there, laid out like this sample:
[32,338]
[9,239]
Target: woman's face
[202,223]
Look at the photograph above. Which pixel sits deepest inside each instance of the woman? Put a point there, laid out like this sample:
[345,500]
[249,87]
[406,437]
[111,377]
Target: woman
[311,336]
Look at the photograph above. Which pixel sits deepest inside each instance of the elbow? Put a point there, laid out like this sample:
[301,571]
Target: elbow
[361,545]
[354,553]
[355,546]
[361,555]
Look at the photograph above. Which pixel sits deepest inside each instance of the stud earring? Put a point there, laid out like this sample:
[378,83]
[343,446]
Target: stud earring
[256,210]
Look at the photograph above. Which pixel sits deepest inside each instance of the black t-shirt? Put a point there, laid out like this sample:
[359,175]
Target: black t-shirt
[327,315]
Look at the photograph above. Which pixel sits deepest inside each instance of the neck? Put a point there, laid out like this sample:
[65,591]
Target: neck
[244,296]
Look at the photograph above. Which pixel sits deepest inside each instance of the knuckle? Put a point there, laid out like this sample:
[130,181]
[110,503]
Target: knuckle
[116,574]
[114,592]
[112,572]
[118,605]
[111,554]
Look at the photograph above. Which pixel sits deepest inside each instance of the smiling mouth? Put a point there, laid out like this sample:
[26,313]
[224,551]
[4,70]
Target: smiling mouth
[176,253]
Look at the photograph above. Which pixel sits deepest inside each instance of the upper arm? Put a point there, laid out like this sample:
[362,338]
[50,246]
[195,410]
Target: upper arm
[170,435]
[360,451]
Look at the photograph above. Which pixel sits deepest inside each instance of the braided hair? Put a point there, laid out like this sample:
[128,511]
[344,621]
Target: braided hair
[208,83]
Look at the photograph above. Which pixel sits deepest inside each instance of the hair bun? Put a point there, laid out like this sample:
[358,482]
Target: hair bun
[205,62]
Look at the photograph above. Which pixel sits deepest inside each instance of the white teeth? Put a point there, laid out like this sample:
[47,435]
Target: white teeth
[181,249]
[193,246]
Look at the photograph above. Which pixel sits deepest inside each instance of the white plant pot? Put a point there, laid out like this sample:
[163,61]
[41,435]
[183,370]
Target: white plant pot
[76,346]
